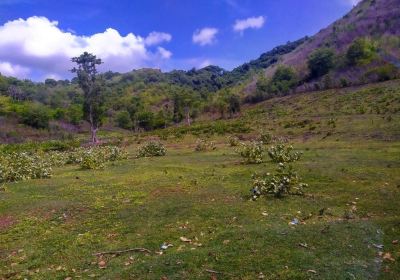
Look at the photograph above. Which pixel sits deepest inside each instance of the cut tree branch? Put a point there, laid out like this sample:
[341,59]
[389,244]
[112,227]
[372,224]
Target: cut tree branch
[144,250]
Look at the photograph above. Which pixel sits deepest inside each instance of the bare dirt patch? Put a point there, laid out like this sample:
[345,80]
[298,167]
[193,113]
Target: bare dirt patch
[6,222]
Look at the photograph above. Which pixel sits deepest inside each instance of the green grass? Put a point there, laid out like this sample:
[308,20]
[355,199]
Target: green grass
[50,228]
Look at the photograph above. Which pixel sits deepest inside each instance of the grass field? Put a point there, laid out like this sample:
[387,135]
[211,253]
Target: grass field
[199,202]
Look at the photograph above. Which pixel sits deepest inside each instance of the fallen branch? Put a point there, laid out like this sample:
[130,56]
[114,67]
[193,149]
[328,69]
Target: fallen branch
[144,250]
[213,271]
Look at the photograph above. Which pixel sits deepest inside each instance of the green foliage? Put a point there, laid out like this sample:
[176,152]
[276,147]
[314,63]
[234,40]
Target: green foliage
[233,141]
[152,149]
[74,114]
[92,86]
[23,166]
[283,80]
[281,153]
[285,181]
[252,152]
[204,145]
[123,120]
[265,137]
[320,62]
[361,51]
[96,157]
[383,73]
[35,115]
[44,146]
[91,160]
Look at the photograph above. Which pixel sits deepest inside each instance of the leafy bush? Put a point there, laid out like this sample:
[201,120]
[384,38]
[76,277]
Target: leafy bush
[17,166]
[283,80]
[52,145]
[383,73]
[361,51]
[96,157]
[23,166]
[152,149]
[266,137]
[123,120]
[233,141]
[92,160]
[281,153]
[36,115]
[284,182]
[320,62]
[252,152]
[204,145]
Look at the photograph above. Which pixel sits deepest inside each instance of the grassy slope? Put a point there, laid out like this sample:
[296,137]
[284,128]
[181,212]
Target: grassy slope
[49,229]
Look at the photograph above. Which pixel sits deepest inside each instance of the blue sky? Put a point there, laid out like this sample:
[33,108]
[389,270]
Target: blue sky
[37,37]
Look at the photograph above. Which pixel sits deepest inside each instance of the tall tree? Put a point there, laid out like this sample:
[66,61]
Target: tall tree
[92,87]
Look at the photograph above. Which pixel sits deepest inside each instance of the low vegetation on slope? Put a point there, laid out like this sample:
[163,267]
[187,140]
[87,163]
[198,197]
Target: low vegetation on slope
[190,213]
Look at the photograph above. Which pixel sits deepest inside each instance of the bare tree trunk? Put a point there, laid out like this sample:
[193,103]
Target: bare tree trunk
[188,121]
[94,135]
[93,129]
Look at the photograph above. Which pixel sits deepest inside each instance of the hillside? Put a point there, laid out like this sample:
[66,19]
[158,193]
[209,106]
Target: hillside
[363,47]
[376,20]
[188,214]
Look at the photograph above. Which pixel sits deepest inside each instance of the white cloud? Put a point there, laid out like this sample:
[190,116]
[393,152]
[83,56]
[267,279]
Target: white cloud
[252,22]
[205,63]
[39,45]
[164,53]
[7,69]
[205,36]
[155,38]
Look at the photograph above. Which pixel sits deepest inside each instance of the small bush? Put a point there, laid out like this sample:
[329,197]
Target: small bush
[17,166]
[233,141]
[284,182]
[266,138]
[97,157]
[92,160]
[24,166]
[152,149]
[361,51]
[281,153]
[36,116]
[204,145]
[252,152]
[320,62]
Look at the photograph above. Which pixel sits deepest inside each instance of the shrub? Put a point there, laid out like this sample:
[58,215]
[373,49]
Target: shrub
[266,138]
[36,115]
[204,145]
[252,152]
[320,62]
[17,166]
[281,153]
[123,120]
[361,51]
[23,166]
[283,80]
[92,160]
[233,141]
[97,157]
[284,182]
[152,149]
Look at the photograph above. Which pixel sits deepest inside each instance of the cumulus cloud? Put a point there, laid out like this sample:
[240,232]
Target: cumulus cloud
[251,22]
[164,53]
[205,36]
[39,45]
[8,69]
[155,38]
